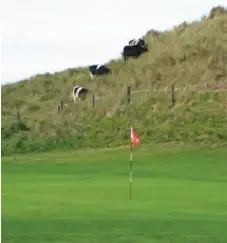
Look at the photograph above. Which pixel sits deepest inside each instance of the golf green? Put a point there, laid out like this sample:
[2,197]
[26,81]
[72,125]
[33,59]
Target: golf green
[179,195]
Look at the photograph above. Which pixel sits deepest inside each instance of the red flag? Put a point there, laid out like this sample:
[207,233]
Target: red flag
[134,138]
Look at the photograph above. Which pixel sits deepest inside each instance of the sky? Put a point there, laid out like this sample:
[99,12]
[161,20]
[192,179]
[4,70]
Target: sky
[39,36]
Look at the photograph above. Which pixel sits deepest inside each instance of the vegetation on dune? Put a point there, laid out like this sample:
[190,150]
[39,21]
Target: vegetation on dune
[193,56]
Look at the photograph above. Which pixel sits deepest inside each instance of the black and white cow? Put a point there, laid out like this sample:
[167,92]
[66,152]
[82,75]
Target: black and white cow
[133,51]
[96,70]
[79,93]
[139,42]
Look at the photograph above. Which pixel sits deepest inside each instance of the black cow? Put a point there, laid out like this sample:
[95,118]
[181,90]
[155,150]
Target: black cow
[133,51]
[98,70]
[139,42]
[79,93]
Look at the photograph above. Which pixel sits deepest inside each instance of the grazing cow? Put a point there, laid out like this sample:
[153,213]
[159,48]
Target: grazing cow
[79,93]
[139,42]
[98,70]
[133,51]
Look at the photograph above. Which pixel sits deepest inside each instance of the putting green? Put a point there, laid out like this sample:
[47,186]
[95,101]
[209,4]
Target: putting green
[178,195]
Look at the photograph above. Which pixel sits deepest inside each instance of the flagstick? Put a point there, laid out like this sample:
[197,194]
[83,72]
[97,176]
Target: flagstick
[130,180]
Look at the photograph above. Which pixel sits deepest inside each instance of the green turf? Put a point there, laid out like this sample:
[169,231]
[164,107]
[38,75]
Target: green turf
[179,196]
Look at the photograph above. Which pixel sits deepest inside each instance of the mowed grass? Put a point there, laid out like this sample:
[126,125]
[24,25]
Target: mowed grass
[179,195]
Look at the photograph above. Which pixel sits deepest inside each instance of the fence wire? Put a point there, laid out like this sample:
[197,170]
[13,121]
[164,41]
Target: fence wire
[137,98]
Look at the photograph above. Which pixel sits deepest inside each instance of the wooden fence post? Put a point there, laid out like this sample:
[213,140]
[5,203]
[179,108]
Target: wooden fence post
[59,108]
[18,120]
[93,100]
[129,94]
[172,95]
[61,105]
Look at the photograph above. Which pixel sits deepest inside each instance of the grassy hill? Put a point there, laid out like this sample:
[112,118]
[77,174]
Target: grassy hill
[192,56]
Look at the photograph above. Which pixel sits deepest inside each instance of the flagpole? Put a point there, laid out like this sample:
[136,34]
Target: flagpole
[130,169]
[130,175]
